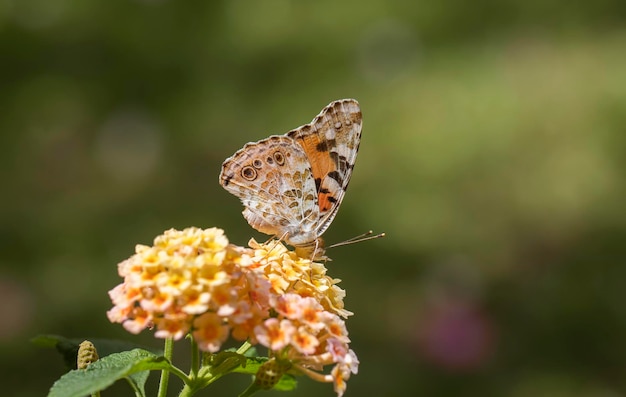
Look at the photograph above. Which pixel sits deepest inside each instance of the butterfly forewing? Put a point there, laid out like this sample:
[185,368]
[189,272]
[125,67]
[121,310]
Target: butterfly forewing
[331,142]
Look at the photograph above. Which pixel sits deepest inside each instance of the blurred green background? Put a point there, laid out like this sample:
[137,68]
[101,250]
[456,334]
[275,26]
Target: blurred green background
[493,156]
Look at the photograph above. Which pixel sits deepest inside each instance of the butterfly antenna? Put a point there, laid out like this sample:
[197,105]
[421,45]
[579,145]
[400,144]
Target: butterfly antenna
[357,239]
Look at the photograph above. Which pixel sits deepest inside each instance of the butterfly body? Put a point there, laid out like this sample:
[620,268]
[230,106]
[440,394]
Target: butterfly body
[292,185]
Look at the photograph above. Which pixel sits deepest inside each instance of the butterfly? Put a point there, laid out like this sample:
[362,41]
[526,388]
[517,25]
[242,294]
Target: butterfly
[292,185]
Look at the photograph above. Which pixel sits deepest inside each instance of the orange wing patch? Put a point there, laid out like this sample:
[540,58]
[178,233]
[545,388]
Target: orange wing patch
[322,164]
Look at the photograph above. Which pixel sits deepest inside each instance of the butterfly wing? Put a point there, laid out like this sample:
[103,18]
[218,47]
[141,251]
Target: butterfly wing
[331,142]
[273,180]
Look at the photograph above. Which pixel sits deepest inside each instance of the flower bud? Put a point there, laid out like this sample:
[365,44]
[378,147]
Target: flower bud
[87,354]
[270,373]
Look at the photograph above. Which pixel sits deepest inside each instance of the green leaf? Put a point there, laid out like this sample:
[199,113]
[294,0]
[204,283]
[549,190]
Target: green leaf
[68,347]
[138,381]
[251,365]
[286,383]
[218,359]
[104,372]
[251,352]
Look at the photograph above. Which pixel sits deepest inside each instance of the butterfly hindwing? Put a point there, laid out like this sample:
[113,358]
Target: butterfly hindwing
[274,183]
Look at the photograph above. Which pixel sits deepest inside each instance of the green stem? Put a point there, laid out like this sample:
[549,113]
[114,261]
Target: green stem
[195,359]
[183,376]
[201,377]
[244,348]
[187,391]
[165,374]
[209,374]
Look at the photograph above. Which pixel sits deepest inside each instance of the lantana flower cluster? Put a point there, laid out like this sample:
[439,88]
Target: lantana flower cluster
[194,281]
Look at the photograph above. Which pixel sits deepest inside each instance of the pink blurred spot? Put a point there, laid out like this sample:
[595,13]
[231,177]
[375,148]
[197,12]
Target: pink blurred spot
[455,335]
